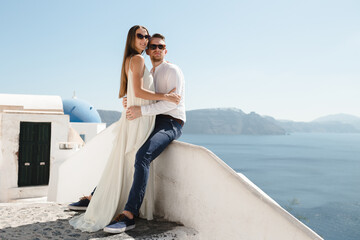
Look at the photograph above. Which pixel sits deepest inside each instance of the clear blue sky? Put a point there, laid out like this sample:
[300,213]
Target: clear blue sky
[295,60]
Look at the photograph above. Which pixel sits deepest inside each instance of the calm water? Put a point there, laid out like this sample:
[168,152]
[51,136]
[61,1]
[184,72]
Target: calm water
[316,177]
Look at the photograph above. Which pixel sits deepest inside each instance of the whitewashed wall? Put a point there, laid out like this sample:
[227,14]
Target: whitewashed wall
[10,131]
[3,193]
[33,102]
[67,184]
[195,187]
[90,130]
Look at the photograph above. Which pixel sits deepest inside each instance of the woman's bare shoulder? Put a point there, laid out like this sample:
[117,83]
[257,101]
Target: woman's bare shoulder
[138,58]
[137,61]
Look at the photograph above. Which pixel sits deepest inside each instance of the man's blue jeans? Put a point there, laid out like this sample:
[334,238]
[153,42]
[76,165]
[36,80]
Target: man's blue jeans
[166,130]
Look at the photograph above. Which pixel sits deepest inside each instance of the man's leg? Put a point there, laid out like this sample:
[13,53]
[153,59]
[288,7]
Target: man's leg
[165,131]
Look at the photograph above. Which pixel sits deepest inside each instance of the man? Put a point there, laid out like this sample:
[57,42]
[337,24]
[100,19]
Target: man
[170,119]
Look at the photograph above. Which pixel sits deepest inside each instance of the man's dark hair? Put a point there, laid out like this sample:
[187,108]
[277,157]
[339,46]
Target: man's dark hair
[158,35]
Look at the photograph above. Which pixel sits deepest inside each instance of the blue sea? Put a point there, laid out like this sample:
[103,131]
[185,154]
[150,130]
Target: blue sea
[316,177]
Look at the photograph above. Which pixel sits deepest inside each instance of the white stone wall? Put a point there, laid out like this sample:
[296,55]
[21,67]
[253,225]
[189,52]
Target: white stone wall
[3,193]
[10,130]
[33,102]
[193,186]
[90,130]
[66,184]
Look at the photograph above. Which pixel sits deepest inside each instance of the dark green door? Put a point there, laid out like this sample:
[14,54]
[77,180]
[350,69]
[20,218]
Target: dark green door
[34,153]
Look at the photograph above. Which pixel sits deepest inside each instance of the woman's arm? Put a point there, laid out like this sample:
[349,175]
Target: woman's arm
[137,67]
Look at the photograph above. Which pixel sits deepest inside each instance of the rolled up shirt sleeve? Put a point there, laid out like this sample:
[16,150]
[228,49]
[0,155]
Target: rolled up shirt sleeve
[157,108]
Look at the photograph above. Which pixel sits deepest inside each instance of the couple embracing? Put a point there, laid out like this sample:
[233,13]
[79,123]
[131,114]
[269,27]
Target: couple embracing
[155,114]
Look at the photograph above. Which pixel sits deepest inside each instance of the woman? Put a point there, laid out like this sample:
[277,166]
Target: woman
[112,191]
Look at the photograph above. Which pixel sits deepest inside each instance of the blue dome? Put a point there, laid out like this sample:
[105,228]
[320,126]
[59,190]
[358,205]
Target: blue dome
[80,111]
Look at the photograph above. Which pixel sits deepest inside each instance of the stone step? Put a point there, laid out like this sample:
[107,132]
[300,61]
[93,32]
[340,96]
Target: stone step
[50,221]
[29,200]
[27,192]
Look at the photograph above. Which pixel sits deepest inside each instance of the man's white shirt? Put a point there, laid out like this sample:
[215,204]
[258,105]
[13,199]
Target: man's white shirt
[166,77]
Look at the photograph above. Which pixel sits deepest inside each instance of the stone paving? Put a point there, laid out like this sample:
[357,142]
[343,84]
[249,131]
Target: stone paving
[37,221]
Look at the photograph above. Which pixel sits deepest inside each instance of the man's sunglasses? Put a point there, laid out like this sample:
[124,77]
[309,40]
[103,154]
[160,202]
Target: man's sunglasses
[140,36]
[154,46]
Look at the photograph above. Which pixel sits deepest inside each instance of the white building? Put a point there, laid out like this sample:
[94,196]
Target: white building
[30,128]
[34,133]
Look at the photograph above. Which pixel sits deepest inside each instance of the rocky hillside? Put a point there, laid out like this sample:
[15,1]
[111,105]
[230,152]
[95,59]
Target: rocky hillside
[232,121]
[229,121]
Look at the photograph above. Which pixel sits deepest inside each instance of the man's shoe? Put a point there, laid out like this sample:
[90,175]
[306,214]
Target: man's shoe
[82,204]
[121,224]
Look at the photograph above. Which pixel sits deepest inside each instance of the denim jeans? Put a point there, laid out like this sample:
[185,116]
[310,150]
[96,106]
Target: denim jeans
[166,130]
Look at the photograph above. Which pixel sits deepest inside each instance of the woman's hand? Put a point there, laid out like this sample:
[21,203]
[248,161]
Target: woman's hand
[124,102]
[173,97]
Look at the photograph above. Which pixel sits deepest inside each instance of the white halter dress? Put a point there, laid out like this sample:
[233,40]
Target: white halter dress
[113,189]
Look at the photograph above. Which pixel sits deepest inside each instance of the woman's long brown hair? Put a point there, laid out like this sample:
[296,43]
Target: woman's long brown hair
[129,52]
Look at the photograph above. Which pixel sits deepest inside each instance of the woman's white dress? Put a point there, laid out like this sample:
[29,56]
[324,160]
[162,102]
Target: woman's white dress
[113,189]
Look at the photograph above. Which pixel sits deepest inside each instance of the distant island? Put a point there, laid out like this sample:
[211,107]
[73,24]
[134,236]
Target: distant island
[233,121]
